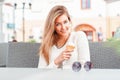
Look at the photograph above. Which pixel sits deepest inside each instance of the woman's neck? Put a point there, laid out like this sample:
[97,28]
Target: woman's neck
[61,41]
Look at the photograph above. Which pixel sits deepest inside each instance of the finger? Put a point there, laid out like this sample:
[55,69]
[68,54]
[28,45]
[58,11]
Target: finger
[67,56]
[69,50]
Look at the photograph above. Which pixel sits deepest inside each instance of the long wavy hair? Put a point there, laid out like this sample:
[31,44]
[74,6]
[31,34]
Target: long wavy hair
[49,35]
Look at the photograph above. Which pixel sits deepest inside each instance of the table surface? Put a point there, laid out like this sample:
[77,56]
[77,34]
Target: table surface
[58,74]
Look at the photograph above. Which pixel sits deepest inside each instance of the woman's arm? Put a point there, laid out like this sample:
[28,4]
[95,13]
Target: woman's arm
[83,47]
[43,64]
[57,62]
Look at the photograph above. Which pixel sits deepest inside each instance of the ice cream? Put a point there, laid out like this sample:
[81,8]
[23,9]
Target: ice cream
[70,46]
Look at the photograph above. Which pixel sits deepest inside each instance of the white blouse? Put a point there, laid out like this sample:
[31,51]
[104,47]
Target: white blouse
[81,52]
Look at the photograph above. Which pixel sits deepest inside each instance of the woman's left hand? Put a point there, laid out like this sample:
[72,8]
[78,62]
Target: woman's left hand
[65,55]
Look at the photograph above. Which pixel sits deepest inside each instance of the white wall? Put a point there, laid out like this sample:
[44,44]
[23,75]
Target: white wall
[114,8]
[1,24]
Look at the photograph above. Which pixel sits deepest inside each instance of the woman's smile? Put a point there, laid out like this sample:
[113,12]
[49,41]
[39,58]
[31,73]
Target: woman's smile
[62,25]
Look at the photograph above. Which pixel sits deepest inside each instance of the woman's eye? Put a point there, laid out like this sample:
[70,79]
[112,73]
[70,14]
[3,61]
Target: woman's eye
[65,22]
[57,24]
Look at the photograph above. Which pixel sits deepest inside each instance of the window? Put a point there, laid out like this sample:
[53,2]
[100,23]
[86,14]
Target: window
[85,4]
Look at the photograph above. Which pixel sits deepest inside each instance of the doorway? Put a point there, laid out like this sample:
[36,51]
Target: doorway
[88,29]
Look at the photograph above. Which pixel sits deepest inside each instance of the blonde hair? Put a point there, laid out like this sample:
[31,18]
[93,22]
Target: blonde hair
[49,36]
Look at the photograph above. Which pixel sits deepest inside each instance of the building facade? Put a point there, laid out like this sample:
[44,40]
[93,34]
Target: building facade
[99,19]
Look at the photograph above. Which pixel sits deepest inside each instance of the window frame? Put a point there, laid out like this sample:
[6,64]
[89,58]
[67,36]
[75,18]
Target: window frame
[85,4]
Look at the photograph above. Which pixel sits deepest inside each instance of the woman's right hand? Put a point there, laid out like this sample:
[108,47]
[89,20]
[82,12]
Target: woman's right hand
[65,55]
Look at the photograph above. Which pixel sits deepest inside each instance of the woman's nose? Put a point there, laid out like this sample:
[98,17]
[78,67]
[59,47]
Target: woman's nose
[63,26]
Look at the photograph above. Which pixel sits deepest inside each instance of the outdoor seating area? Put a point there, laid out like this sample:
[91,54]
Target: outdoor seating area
[19,54]
[25,55]
[104,56]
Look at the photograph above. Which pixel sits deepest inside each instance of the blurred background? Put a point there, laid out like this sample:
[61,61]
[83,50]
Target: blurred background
[23,20]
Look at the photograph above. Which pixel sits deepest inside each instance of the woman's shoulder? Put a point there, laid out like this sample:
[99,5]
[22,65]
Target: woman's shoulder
[78,33]
[78,36]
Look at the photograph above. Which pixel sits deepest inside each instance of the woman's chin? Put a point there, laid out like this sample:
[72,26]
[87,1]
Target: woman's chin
[64,34]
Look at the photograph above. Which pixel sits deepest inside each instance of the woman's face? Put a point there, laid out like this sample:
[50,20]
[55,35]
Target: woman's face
[62,25]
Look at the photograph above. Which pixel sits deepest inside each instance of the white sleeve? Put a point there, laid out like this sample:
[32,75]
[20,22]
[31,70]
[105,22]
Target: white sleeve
[43,64]
[83,47]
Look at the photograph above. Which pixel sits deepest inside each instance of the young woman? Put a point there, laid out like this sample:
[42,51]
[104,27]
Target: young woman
[57,35]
